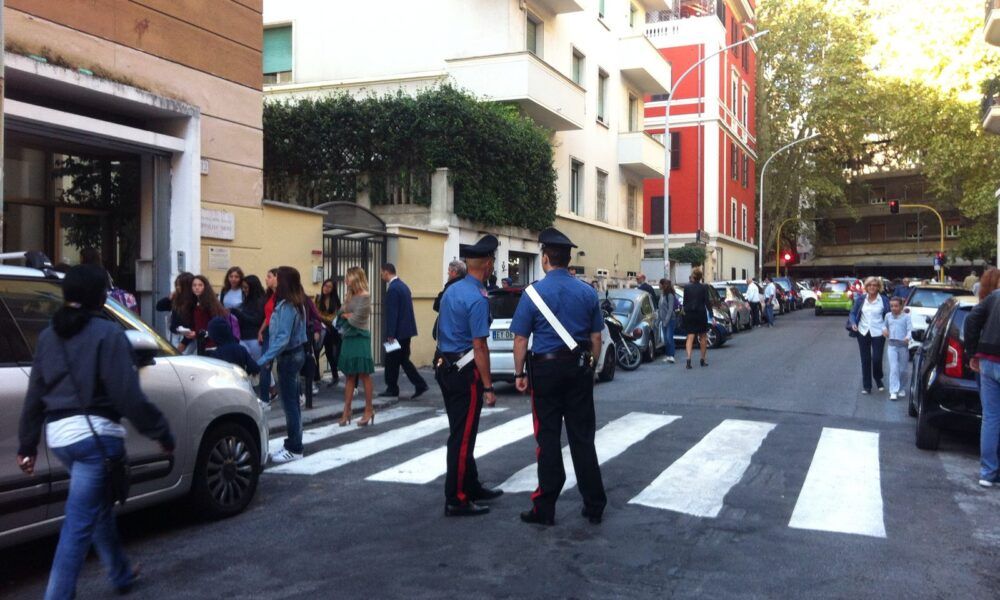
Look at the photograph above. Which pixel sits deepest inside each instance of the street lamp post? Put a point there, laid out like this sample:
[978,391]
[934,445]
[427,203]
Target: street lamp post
[760,207]
[667,146]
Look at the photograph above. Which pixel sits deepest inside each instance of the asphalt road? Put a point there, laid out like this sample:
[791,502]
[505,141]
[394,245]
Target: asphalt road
[765,475]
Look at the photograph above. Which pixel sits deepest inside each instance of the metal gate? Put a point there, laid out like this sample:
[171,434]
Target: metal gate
[342,251]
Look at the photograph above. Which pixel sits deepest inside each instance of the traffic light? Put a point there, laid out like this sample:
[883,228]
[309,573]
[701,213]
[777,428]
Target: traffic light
[940,259]
[789,257]
[894,206]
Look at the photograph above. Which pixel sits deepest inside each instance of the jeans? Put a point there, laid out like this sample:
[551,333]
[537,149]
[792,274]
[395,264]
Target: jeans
[871,359]
[669,347]
[253,347]
[289,364]
[265,375]
[898,357]
[769,312]
[90,519]
[989,433]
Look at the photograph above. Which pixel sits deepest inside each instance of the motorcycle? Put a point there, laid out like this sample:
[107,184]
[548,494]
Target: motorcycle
[627,353]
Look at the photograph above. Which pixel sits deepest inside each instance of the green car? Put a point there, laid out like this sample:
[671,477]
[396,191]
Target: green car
[835,295]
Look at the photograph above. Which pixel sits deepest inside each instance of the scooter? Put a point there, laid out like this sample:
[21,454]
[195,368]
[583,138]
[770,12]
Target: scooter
[626,351]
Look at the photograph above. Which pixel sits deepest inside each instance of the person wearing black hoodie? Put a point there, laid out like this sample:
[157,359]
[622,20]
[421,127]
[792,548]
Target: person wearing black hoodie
[228,348]
[83,381]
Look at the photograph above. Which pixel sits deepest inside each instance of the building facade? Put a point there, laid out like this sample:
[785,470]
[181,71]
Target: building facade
[134,128]
[580,68]
[991,102]
[712,124]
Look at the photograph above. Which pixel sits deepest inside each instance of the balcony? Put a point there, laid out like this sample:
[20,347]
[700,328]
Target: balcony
[990,106]
[543,93]
[640,154]
[560,6]
[643,65]
[685,9]
[991,28]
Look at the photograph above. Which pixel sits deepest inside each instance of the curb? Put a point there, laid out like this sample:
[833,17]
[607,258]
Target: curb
[276,423]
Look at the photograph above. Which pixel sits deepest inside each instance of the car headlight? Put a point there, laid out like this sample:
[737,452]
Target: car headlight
[719,314]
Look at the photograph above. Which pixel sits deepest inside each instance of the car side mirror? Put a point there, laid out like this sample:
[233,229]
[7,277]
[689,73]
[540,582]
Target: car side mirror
[928,319]
[918,335]
[144,346]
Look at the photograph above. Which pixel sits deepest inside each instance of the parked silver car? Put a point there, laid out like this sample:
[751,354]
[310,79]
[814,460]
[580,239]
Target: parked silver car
[739,308]
[634,308]
[213,411]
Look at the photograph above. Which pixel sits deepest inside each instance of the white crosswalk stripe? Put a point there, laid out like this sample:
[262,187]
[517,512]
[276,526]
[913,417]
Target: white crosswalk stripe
[697,483]
[316,434]
[429,466]
[842,491]
[611,440]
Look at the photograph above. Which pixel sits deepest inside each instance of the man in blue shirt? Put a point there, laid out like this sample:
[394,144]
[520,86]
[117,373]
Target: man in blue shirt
[562,379]
[462,369]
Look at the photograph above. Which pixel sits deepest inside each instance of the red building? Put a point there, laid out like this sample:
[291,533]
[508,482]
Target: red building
[712,124]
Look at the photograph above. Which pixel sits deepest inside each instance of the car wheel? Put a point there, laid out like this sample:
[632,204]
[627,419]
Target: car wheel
[928,436]
[818,311]
[227,471]
[713,338]
[610,362]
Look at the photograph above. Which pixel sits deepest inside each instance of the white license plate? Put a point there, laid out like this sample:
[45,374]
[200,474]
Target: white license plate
[834,296]
[503,335]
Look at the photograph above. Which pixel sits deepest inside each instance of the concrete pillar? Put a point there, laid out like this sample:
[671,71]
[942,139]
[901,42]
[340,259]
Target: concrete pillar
[442,199]
[364,195]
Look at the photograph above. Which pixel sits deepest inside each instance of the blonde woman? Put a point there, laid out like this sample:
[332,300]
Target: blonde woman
[355,359]
[867,322]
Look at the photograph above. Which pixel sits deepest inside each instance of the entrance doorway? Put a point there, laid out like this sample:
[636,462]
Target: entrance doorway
[520,268]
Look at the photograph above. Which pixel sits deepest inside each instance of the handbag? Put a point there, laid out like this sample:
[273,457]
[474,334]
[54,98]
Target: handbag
[117,473]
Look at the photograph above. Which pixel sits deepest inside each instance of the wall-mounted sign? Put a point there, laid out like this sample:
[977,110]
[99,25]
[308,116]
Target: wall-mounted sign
[218,224]
[218,258]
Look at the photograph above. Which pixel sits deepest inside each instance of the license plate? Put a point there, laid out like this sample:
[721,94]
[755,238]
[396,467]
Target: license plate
[834,296]
[503,335]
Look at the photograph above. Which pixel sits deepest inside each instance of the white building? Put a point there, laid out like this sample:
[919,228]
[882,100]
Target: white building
[580,68]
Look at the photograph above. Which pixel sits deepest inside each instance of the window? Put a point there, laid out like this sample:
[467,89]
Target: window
[746,59]
[656,215]
[720,11]
[876,232]
[632,199]
[842,234]
[602,196]
[744,273]
[734,85]
[633,113]
[744,215]
[876,195]
[533,35]
[734,165]
[745,112]
[13,350]
[659,97]
[31,304]
[734,273]
[746,170]
[578,67]
[575,187]
[732,217]
[600,8]
[278,54]
[602,96]
[633,15]
[675,150]
[952,229]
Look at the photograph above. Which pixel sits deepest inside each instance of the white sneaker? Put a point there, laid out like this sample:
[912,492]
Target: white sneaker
[892,396]
[284,455]
[670,359]
[866,392]
[986,483]
[902,394]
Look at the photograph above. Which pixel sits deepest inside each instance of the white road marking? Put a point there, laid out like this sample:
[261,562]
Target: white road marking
[843,491]
[429,466]
[697,483]
[611,440]
[316,434]
[331,458]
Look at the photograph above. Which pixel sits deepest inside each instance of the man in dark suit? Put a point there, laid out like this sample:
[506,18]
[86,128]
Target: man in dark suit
[644,286]
[400,326]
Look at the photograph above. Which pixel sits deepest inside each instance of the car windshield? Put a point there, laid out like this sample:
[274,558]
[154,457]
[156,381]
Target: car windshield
[503,305]
[134,322]
[742,287]
[621,306]
[784,283]
[931,298]
[834,286]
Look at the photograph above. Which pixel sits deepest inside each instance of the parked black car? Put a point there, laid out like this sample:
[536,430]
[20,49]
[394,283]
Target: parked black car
[793,299]
[717,335]
[943,389]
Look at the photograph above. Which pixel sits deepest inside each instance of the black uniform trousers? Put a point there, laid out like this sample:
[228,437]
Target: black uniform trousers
[394,360]
[563,390]
[463,401]
[755,313]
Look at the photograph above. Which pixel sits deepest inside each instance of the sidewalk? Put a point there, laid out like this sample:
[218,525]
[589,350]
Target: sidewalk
[328,404]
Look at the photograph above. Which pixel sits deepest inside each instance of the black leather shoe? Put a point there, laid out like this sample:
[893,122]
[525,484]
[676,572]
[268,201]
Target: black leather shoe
[420,392]
[469,509]
[486,494]
[592,517]
[388,394]
[530,516]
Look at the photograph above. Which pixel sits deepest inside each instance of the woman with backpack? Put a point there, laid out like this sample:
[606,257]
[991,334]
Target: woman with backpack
[250,315]
[286,347]
[668,318]
[83,381]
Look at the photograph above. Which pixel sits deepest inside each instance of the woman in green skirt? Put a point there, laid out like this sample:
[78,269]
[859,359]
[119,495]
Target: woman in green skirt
[355,359]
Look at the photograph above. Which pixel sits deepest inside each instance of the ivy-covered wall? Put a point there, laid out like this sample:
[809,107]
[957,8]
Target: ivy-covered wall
[500,162]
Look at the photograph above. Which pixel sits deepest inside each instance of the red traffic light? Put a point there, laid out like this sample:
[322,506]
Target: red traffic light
[894,206]
[787,256]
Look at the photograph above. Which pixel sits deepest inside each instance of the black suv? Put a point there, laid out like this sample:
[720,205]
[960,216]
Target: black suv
[943,389]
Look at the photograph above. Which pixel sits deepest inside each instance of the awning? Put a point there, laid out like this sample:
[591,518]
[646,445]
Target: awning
[353,221]
[881,260]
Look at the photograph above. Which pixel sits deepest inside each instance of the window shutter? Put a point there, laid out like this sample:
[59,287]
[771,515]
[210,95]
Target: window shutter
[278,49]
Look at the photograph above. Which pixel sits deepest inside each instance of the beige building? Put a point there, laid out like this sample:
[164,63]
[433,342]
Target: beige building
[135,128]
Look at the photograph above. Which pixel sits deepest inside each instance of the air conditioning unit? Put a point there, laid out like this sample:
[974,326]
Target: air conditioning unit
[601,273]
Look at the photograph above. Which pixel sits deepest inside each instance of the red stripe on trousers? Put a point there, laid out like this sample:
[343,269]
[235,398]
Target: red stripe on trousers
[538,448]
[464,451]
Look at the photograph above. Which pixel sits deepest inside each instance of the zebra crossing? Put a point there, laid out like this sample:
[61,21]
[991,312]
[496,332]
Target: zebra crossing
[841,492]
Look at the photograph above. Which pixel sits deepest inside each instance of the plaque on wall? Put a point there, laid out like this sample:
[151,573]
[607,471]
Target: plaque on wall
[218,224]
[218,258]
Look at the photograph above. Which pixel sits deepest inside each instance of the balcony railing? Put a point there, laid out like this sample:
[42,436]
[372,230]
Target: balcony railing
[991,26]
[989,108]
[686,9]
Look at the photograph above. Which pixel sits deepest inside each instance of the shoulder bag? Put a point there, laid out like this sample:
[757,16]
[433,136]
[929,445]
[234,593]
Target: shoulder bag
[117,472]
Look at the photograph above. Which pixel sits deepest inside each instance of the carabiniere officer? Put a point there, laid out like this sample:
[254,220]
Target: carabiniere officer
[561,380]
[462,369]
